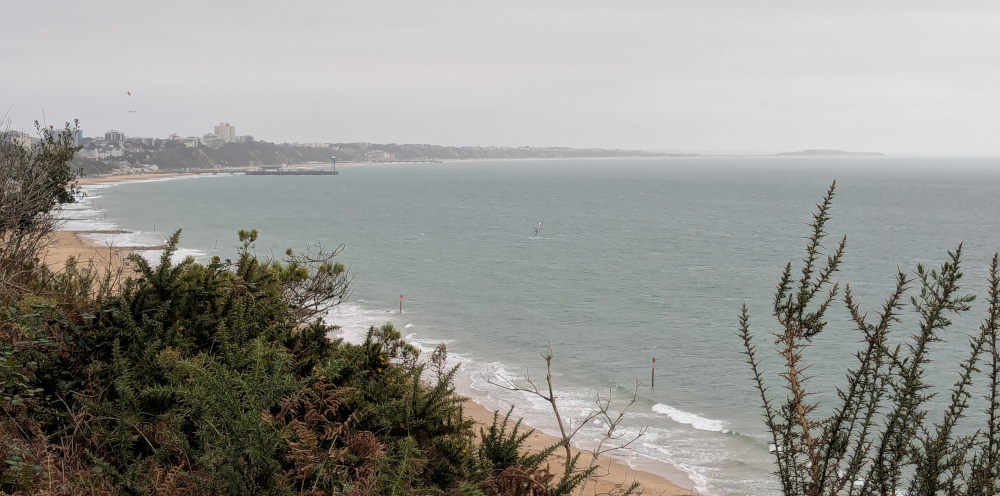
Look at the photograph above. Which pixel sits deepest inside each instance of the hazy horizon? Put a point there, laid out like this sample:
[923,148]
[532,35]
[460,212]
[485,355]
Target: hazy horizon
[722,77]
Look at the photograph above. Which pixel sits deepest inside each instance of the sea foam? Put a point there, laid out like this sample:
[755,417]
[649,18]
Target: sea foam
[694,420]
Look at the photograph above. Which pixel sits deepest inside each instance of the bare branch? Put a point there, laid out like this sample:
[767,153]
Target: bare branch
[613,436]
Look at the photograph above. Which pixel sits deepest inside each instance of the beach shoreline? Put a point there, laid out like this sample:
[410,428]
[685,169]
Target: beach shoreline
[613,473]
[119,178]
[616,471]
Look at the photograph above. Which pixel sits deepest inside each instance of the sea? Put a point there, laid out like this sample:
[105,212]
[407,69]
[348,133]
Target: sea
[634,261]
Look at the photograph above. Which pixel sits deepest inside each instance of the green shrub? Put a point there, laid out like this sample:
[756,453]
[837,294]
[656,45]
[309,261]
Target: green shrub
[878,437]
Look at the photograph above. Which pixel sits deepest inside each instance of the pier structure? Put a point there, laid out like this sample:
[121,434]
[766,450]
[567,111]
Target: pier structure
[280,170]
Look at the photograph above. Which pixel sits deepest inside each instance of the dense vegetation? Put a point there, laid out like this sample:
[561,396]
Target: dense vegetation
[182,378]
[881,436]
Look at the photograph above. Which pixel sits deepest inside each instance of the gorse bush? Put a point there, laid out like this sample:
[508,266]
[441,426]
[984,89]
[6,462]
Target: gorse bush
[879,437]
[204,379]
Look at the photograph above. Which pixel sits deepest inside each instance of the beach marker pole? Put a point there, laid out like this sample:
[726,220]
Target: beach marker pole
[652,374]
[400,303]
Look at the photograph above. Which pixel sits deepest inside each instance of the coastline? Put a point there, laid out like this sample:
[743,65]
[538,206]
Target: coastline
[65,244]
[73,243]
[681,156]
[146,176]
[614,473]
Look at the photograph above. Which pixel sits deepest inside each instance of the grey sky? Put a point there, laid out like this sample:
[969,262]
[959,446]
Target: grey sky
[705,76]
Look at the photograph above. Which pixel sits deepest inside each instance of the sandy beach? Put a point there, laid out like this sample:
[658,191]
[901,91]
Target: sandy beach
[86,181]
[65,244]
[615,473]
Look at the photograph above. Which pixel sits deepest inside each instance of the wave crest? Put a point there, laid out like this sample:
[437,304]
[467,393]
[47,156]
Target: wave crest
[694,420]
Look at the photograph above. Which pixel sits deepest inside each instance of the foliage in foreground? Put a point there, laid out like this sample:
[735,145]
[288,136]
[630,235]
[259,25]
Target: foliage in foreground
[878,438]
[194,379]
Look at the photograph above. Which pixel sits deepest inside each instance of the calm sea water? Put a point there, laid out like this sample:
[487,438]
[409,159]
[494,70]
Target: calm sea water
[635,259]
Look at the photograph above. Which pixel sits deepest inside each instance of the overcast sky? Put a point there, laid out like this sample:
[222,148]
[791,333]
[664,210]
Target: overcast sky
[903,78]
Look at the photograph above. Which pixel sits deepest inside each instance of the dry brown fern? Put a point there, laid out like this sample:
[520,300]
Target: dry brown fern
[177,480]
[322,451]
[367,450]
[46,468]
[518,481]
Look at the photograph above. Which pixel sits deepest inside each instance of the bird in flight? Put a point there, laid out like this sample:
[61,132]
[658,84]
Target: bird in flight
[129,93]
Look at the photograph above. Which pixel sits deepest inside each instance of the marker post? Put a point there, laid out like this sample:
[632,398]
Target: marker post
[652,374]
[400,303]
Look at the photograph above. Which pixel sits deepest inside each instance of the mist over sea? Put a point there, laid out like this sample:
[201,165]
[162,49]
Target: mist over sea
[634,259]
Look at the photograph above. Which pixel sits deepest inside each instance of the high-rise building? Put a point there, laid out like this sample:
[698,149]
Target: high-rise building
[226,132]
[113,135]
[78,137]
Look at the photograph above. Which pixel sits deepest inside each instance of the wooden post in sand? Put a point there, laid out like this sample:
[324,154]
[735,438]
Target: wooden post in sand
[652,374]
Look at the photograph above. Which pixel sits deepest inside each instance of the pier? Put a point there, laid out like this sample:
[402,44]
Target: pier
[292,173]
[415,161]
[282,170]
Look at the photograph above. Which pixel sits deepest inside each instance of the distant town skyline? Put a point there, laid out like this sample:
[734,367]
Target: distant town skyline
[904,78]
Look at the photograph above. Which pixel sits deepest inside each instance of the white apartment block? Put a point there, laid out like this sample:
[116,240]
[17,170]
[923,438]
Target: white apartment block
[226,132]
